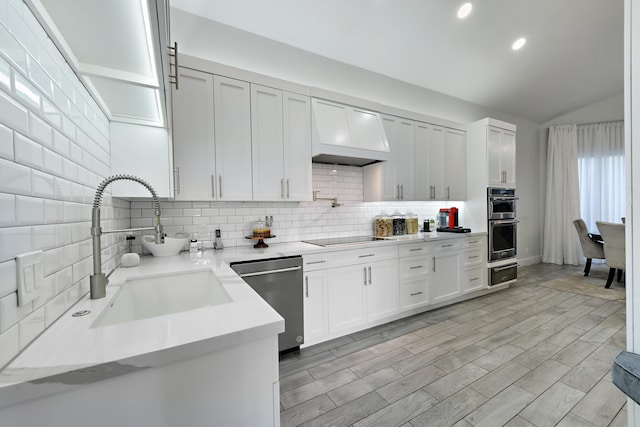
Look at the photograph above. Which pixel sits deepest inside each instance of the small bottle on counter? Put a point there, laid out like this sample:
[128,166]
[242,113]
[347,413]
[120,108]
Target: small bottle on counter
[193,244]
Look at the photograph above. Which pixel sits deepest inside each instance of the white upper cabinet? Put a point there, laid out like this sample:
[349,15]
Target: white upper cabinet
[501,148]
[440,163]
[395,178]
[193,137]
[492,145]
[281,145]
[232,110]
[296,123]
[267,143]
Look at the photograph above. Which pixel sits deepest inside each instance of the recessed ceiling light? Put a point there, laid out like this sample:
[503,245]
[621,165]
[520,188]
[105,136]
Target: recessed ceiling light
[518,43]
[464,10]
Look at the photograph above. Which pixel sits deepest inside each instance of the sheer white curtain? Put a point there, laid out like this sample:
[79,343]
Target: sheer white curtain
[562,202]
[601,172]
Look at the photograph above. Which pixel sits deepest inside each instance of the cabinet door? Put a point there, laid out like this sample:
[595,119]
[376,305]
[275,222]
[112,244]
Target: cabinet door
[455,161]
[346,300]
[406,158]
[297,146]
[436,166]
[232,139]
[446,276]
[267,144]
[423,189]
[494,156]
[390,189]
[193,137]
[316,322]
[508,158]
[382,289]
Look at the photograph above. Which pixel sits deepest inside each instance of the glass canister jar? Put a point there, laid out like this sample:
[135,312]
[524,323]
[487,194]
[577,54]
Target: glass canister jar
[399,224]
[412,223]
[383,225]
[260,228]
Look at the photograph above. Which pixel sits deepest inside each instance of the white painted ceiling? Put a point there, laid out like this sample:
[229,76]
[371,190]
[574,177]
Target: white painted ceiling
[573,56]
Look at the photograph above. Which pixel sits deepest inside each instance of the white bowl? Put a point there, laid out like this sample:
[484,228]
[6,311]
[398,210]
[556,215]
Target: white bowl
[171,246]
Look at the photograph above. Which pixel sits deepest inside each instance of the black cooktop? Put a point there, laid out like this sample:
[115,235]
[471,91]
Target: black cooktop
[343,240]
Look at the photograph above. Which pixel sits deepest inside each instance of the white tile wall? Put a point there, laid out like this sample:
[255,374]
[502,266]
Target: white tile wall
[292,221]
[54,151]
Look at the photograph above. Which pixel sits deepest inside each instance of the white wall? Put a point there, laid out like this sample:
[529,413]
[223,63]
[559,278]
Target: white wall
[223,44]
[54,150]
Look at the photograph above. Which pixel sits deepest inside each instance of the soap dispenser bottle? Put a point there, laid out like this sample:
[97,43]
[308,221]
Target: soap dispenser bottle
[218,242]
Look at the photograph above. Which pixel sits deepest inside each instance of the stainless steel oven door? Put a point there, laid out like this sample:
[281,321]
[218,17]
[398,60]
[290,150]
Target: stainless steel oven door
[501,207]
[502,239]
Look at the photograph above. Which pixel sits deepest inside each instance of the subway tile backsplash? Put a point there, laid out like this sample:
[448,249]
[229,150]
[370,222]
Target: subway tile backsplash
[54,151]
[292,221]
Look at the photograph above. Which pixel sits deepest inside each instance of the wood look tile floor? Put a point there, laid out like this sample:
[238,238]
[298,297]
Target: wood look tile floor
[525,356]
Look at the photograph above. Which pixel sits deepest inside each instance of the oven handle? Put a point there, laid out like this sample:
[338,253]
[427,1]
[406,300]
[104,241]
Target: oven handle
[503,198]
[506,267]
[504,221]
[262,273]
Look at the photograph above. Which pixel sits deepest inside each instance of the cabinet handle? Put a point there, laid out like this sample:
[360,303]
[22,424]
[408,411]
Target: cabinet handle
[413,294]
[213,187]
[434,264]
[415,249]
[474,256]
[416,267]
[448,193]
[398,191]
[220,185]
[176,180]
[287,188]
[306,279]
[474,241]
[447,246]
[401,191]
[282,188]
[366,256]
[316,262]
[369,274]
[474,279]
[365,276]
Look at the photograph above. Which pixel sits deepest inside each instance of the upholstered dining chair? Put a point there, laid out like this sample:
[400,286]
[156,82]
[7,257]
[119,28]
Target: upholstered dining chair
[591,248]
[614,252]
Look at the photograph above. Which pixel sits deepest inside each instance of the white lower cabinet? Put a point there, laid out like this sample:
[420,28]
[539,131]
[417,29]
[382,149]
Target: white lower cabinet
[346,297]
[446,276]
[316,320]
[345,291]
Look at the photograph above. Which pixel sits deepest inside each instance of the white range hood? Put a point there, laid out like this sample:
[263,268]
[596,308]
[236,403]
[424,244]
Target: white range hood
[347,135]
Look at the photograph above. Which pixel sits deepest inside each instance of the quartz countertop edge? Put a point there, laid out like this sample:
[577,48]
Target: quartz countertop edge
[65,355]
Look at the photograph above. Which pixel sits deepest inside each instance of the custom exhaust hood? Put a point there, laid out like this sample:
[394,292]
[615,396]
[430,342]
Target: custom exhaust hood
[347,135]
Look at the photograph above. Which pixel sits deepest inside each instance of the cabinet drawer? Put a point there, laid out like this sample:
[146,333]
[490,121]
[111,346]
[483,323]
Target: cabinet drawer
[414,266]
[312,262]
[413,249]
[473,278]
[447,245]
[413,293]
[474,242]
[362,256]
[473,256]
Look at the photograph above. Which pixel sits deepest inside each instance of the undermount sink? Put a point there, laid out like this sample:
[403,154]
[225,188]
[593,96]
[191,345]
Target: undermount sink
[159,295]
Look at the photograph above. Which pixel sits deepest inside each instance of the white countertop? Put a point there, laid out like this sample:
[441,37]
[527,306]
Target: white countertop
[71,353]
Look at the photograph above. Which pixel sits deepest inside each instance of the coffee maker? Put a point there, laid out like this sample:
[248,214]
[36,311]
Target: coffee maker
[447,218]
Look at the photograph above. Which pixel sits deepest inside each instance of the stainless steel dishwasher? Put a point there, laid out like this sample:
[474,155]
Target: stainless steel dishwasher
[279,282]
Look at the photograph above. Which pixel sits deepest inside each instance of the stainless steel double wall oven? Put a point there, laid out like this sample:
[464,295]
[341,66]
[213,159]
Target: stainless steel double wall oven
[503,232]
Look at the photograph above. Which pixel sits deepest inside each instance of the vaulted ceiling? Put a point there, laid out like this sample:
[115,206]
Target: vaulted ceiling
[573,56]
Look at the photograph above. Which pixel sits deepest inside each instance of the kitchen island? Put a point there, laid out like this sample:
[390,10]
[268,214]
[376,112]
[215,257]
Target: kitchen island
[210,365]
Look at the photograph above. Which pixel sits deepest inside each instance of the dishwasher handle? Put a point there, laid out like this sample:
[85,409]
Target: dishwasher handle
[262,273]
